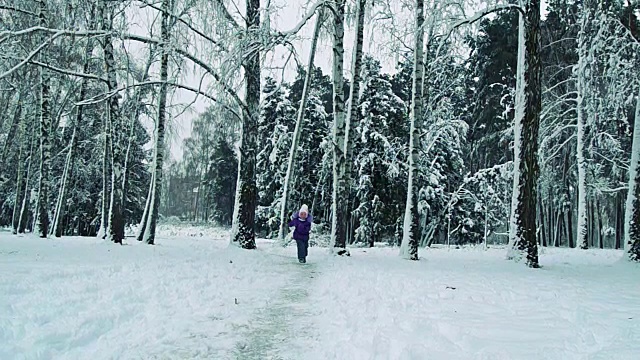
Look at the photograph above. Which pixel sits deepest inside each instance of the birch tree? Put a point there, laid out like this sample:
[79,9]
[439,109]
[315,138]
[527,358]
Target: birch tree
[632,212]
[411,227]
[158,161]
[352,112]
[338,221]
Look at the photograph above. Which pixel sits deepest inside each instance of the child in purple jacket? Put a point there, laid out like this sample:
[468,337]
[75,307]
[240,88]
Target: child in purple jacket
[301,221]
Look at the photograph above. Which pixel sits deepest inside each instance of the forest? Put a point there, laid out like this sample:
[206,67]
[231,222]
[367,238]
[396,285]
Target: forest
[456,122]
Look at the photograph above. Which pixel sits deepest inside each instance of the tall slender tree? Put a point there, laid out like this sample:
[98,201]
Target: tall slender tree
[525,243]
[45,141]
[244,232]
[411,229]
[338,221]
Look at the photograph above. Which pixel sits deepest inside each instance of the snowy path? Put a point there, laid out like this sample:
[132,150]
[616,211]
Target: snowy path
[282,319]
[193,297]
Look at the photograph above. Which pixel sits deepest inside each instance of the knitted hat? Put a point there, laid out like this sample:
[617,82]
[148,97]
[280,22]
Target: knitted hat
[304,209]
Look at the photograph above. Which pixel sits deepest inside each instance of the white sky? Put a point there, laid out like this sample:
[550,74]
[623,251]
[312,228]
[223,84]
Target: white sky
[292,11]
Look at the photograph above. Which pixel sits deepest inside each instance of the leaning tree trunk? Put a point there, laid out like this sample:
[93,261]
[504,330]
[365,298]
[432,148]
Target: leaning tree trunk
[131,139]
[298,129]
[116,212]
[68,168]
[142,227]
[45,144]
[632,209]
[338,221]
[25,140]
[152,221]
[26,198]
[411,228]
[352,111]
[247,194]
[528,170]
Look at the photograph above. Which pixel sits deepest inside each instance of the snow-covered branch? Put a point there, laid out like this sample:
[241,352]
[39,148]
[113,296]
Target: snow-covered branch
[68,72]
[103,97]
[31,55]
[305,19]
[187,24]
[11,8]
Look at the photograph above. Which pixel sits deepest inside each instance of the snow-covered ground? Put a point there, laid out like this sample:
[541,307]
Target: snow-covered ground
[193,297]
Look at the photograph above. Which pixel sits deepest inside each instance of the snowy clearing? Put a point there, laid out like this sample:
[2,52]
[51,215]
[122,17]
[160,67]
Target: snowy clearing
[80,298]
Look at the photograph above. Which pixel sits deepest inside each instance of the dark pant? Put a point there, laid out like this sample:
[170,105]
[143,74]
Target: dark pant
[303,246]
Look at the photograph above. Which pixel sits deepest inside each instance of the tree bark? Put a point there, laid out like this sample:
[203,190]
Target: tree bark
[150,230]
[45,143]
[352,115]
[632,209]
[15,124]
[525,231]
[411,229]
[25,140]
[298,129]
[116,212]
[338,221]
[247,194]
[583,44]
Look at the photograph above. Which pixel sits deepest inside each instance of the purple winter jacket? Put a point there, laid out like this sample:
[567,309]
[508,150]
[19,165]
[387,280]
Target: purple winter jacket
[302,227]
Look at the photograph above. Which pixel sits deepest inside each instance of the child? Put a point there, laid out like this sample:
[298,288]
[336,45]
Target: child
[301,220]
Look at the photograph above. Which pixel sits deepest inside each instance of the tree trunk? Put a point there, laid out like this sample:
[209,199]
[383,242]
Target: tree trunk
[131,139]
[106,179]
[15,124]
[25,140]
[352,116]
[150,230]
[583,43]
[632,209]
[543,226]
[68,168]
[517,133]
[45,144]
[619,222]
[116,212]
[247,194]
[525,231]
[338,221]
[411,229]
[296,132]
[26,199]
[142,227]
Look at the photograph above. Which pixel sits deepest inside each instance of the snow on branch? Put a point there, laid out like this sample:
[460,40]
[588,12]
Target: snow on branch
[11,8]
[31,55]
[305,19]
[477,16]
[187,24]
[68,72]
